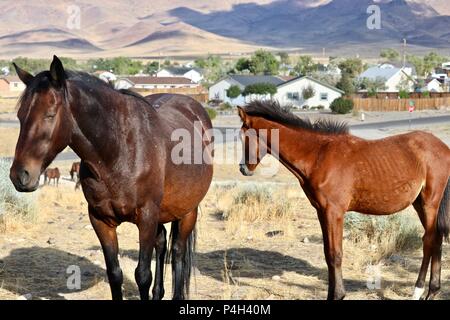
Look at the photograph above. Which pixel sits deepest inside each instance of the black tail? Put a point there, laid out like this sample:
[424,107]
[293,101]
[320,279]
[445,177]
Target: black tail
[188,261]
[443,222]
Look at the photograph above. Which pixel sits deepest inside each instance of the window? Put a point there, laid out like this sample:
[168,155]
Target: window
[293,96]
[16,84]
[324,96]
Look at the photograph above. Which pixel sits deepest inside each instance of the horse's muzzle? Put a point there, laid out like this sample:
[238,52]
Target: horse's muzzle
[244,170]
[22,180]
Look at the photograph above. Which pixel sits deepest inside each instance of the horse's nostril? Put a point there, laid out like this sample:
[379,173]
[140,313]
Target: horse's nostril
[24,177]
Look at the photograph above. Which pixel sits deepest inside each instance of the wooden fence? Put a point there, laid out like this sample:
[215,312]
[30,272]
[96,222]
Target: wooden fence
[374,104]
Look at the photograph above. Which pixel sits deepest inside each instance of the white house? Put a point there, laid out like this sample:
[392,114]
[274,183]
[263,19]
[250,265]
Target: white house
[288,91]
[218,91]
[149,82]
[9,84]
[291,92]
[393,77]
[432,85]
[193,74]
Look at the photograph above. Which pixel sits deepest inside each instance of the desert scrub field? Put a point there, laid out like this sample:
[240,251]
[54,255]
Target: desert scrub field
[15,208]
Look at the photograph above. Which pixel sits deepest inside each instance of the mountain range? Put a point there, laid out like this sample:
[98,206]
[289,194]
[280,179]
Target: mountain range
[180,27]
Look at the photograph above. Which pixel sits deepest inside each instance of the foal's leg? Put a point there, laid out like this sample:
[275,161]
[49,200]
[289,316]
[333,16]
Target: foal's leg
[160,250]
[108,239]
[331,221]
[432,243]
[179,268]
[147,224]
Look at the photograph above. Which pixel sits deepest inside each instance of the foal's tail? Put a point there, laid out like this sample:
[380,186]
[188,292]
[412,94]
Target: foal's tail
[443,222]
[188,262]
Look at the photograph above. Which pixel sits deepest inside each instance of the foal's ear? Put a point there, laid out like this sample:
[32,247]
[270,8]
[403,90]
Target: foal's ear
[24,76]
[242,114]
[57,73]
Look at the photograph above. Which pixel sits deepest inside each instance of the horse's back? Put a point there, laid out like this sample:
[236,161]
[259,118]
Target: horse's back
[180,109]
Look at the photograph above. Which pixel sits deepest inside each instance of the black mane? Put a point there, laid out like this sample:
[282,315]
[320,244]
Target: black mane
[42,81]
[272,110]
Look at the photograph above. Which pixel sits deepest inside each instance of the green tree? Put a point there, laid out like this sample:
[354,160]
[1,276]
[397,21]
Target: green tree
[242,64]
[346,84]
[390,54]
[284,57]
[372,86]
[308,92]
[342,105]
[305,66]
[264,62]
[151,67]
[425,65]
[213,67]
[260,89]
[351,66]
[233,92]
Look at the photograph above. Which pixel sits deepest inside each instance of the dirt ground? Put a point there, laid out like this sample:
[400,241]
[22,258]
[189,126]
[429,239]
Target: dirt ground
[259,260]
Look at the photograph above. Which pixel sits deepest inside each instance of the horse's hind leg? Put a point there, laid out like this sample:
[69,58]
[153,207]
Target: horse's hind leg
[427,205]
[160,250]
[182,251]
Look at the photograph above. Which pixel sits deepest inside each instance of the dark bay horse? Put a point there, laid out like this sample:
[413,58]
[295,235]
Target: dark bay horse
[126,171]
[340,172]
[52,174]
[75,171]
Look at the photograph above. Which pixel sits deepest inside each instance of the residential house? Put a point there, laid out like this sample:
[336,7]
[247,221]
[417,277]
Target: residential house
[193,74]
[289,90]
[432,85]
[394,77]
[11,85]
[149,82]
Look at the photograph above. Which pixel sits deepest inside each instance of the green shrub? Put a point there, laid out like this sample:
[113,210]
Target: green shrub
[403,94]
[342,105]
[225,106]
[386,234]
[12,203]
[211,113]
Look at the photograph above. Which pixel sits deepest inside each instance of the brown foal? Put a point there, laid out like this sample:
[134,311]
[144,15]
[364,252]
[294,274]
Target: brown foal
[340,172]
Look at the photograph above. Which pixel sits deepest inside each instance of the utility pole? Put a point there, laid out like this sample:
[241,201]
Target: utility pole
[404,52]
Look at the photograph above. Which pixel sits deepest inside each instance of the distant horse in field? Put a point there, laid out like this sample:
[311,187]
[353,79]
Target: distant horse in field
[51,174]
[126,171]
[74,170]
[340,172]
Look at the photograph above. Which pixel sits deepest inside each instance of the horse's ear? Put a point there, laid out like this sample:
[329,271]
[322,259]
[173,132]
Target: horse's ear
[57,73]
[242,113]
[24,76]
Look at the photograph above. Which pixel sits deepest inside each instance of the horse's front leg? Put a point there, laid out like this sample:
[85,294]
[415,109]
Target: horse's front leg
[331,222]
[147,224]
[108,240]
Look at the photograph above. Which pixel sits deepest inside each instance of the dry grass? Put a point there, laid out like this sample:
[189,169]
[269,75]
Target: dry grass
[8,105]
[248,209]
[8,140]
[383,236]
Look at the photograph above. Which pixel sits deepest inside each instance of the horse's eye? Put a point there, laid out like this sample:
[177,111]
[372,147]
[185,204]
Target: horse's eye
[50,116]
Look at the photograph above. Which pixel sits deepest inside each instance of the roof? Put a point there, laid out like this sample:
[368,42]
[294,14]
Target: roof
[385,71]
[179,71]
[314,80]
[158,80]
[10,79]
[246,80]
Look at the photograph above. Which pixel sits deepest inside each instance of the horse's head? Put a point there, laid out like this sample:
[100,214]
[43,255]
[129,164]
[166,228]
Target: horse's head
[45,124]
[253,151]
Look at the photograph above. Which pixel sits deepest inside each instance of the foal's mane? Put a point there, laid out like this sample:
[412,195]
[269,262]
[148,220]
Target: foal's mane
[273,111]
